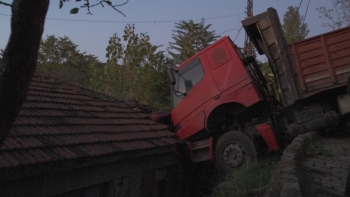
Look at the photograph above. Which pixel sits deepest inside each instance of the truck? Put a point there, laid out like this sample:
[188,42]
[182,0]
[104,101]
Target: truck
[224,109]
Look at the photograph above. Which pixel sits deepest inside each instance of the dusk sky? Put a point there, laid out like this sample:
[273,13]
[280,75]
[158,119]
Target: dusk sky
[157,18]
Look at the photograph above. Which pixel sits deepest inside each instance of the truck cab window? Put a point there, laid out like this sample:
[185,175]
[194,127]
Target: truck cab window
[187,78]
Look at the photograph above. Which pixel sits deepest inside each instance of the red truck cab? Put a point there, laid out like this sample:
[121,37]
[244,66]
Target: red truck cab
[212,92]
[213,77]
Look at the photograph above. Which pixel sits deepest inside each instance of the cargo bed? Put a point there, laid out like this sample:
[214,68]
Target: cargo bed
[322,62]
[306,67]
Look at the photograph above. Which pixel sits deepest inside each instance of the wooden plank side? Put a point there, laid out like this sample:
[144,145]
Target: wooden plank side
[316,76]
[339,46]
[310,54]
[313,61]
[314,69]
[342,71]
[343,78]
[340,36]
[313,44]
[324,61]
[340,54]
[316,84]
[343,61]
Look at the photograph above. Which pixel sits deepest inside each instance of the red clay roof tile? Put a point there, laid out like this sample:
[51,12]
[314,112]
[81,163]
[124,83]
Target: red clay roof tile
[61,121]
[9,158]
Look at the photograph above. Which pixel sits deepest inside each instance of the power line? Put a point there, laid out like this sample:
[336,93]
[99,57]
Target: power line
[238,33]
[232,29]
[307,7]
[169,21]
[300,4]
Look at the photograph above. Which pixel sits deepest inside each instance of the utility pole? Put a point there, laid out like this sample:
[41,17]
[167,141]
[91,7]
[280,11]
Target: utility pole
[248,47]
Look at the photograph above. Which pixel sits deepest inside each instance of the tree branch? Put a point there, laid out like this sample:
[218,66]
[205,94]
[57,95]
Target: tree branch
[3,3]
[102,3]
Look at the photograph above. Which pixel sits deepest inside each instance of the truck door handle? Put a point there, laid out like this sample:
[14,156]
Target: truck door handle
[216,97]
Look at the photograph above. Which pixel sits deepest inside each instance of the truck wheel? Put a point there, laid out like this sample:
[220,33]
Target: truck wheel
[233,149]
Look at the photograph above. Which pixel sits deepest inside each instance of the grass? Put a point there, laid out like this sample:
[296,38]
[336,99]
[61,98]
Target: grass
[251,180]
[317,148]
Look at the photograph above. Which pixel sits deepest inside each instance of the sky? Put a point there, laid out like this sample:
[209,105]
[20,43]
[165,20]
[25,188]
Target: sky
[157,18]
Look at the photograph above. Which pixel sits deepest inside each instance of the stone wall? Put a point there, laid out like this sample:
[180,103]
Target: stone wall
[284,182]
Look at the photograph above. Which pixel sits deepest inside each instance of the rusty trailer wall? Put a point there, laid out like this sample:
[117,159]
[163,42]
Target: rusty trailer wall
[323,61]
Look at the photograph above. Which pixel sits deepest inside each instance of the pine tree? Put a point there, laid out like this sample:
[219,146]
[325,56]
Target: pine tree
[189,38]
[293,26]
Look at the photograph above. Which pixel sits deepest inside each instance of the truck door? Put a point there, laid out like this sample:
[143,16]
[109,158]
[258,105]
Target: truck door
[194,88]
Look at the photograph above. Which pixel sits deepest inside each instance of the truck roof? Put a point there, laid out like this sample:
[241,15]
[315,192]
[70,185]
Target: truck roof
[202,51]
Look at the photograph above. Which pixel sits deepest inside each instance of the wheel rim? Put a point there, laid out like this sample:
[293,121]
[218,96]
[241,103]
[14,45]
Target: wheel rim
[233,154]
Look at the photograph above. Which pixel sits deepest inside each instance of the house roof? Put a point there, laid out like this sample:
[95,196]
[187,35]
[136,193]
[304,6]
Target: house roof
[61,121]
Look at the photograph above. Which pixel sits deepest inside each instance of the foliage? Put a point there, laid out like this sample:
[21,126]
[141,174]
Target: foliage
[293,26]
[97,72]
[60,57]
[267,72]
[189,38]
[136,70]
[338,16]
[271,80]
[252,180]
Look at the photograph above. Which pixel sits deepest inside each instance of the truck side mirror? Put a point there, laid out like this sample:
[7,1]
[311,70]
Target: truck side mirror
[171,76]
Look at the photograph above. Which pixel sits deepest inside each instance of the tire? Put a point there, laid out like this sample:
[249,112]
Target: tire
[233,150]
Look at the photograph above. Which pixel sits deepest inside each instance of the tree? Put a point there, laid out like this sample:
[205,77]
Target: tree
[293,26]
[18,63]
[19,59]
[189,38]
[338,16]
[136,70]
[61,58]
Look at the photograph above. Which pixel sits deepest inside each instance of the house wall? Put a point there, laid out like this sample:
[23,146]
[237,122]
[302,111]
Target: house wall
[155,175]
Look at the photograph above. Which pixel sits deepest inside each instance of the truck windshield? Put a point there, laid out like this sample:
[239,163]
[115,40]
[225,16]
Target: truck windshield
[186,78]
